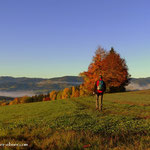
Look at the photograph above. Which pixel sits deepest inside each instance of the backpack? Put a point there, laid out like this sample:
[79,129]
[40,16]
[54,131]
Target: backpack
[100,85]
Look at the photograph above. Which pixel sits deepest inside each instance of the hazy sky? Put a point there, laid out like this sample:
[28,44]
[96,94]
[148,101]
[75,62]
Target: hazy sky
[49,38]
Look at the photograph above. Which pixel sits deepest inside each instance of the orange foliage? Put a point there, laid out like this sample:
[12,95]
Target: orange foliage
[73,91]
[59,95]
[108,64]
[115,70]
[66,93]
[46,99]
[53,95]
[15,101]
[24,99]
[94,70]
[82,90]
[77,93]
[4,104]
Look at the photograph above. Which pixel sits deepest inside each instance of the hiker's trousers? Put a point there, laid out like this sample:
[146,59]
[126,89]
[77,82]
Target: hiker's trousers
[99,101]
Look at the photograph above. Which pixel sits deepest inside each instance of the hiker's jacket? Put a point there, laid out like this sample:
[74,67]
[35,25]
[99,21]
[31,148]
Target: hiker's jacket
[96,85]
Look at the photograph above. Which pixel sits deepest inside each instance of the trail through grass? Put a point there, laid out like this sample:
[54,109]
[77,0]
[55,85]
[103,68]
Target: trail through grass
[73,123]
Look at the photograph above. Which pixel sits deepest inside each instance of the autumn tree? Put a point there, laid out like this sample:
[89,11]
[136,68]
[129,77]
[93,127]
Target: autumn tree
[82,91]
[59,94]
[46,99]
[94,70]
[37,98]
[53,95]
[111,66]
[115,72]
[15,101]
[73,91]
[4,103]
[77,92]
[25,99]
[66,93]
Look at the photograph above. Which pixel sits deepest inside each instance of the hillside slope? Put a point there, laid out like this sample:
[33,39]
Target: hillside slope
[37,85]
[74,123]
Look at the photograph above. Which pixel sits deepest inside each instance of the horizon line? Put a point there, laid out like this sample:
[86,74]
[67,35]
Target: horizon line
[54,76]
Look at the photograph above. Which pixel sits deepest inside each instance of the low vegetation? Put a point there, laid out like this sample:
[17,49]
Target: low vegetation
[75,124]
[53,95]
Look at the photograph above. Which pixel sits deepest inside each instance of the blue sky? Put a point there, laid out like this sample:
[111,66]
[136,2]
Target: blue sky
[52,38]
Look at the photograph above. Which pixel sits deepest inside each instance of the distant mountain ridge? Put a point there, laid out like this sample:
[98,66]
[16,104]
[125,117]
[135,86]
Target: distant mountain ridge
[141,81]
[11,86]
[38,85]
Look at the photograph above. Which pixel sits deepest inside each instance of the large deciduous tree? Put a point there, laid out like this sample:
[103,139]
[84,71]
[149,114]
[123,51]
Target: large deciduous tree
[94,70]
[111,66]
[115,71]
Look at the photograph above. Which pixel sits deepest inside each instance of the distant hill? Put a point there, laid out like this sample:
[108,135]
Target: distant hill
[37,85]
[10,86]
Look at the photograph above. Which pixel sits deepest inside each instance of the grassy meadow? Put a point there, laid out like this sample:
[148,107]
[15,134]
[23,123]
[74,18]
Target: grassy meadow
[74,123]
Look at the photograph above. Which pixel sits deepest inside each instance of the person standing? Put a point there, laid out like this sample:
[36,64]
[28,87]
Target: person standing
[99,89]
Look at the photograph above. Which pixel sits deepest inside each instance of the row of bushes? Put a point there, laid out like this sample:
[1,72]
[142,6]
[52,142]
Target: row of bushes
[53,95]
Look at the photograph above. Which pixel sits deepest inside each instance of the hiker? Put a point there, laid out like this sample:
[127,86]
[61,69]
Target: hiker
[99,90]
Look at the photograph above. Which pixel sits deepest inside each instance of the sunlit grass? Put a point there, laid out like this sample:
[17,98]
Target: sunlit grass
[73,123]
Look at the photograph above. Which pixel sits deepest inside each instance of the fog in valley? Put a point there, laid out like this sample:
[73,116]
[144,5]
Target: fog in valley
[135,86]
[17,93]
[130,87]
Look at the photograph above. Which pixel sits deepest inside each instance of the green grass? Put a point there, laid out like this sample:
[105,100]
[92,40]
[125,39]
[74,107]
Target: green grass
[73,123]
